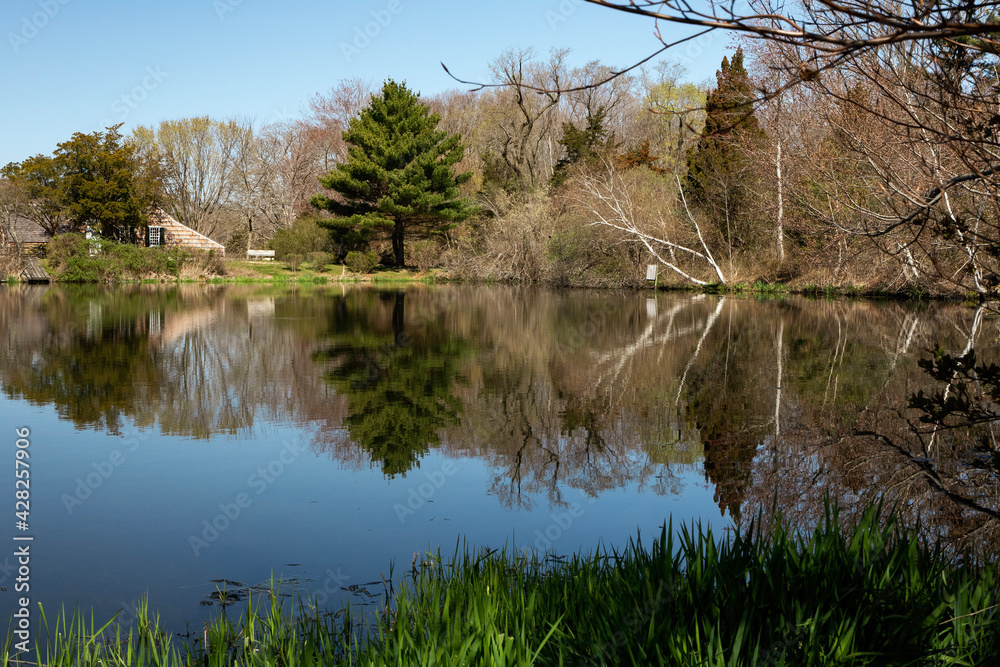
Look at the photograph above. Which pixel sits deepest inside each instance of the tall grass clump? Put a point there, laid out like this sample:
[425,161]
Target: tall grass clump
[878,596]
[875,594]
[74,640]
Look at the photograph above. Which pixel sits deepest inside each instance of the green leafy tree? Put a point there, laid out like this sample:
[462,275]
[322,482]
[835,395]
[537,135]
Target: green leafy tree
[35,184]
[93,180]
[303,237]
[719,163]
[399,176]
[679,118]
[103,184]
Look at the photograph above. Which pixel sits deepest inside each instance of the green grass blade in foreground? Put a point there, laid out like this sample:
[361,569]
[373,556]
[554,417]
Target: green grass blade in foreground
[873,594]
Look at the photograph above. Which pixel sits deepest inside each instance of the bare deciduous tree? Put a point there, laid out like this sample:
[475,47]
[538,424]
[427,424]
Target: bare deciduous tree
[525,121]
[327,118]
[630,203]
[915,87]
[12,202]
[196,157]
[827,31]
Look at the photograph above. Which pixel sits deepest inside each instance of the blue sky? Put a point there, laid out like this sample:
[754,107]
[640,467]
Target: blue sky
[77,65]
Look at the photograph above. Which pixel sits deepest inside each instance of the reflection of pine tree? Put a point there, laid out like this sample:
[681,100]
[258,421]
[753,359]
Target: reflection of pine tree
[725,400]
[399,388]
[728,465]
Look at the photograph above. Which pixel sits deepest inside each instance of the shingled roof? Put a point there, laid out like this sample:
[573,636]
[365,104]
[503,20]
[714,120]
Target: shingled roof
[175,234]
[29,231]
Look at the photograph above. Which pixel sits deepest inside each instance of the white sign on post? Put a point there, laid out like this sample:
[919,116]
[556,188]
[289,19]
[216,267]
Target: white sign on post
[651,272]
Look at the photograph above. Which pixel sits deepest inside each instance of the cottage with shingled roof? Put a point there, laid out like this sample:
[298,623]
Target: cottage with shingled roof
[163,230]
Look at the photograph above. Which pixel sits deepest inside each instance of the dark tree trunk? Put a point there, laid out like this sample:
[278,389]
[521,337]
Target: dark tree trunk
[397,244]
[398,319]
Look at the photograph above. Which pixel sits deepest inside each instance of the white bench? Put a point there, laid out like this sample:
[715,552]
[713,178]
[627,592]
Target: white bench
[265,255]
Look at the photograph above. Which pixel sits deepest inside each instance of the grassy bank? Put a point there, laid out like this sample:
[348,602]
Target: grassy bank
[830,291]
[242,271]
[129,264]
[74,259]
[876,596]
[71,258]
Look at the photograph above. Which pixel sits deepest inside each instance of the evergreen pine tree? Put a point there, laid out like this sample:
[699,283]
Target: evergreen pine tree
[715,162]
[581,145]
[399,175]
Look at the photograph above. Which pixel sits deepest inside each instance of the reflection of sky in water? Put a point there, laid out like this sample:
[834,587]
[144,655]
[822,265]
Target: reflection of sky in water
[315,517]
[565,420]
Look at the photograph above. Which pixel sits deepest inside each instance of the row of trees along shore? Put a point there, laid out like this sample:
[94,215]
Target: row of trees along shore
[874,169]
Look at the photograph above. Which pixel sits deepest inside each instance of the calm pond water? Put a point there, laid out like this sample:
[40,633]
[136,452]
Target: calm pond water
[189,438]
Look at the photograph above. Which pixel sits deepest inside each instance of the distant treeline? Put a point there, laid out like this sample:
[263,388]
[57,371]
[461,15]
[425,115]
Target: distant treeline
[869,175]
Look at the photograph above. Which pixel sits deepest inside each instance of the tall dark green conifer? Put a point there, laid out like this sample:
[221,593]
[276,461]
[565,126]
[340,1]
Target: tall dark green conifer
[399,176]
[581,145]
[717,160]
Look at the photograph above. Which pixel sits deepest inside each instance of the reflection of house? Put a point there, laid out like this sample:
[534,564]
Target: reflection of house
[178,325]
[260,307]
[163,230]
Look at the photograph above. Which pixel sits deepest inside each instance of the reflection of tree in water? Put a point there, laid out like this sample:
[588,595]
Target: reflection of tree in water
[563,395]
[767,372]
[514,423]
[853,437]
[729,394]
[399,386]
[195,361]
[564,398]
[90,358]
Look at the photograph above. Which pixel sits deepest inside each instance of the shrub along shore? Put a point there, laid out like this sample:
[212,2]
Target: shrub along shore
[873,593]
[70,260]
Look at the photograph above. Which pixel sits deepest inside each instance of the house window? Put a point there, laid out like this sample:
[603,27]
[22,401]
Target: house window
[155,236]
